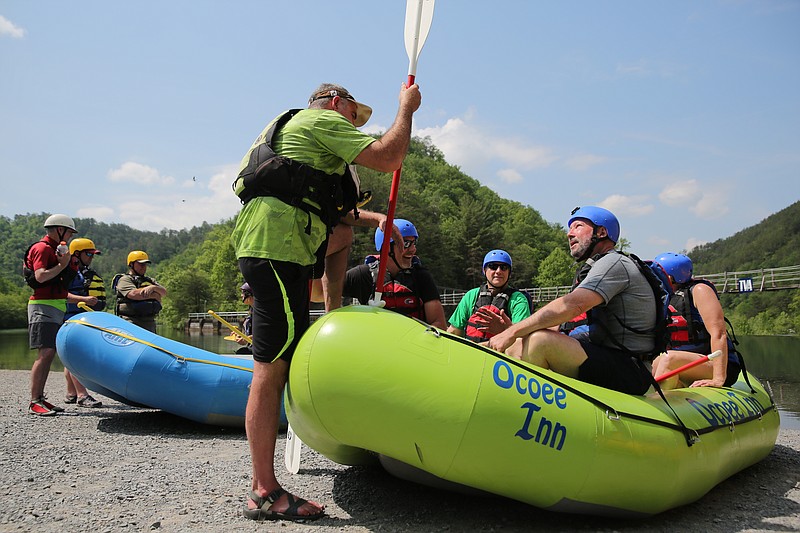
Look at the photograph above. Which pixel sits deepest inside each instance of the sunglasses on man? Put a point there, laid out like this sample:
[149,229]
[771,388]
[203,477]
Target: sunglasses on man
[497,266]
[408,243]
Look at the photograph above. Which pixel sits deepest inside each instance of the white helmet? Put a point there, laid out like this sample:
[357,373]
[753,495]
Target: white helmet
[60,220]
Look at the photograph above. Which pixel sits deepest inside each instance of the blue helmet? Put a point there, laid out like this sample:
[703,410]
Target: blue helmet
[678,266]
[599,217]
[497,256]
[406,228]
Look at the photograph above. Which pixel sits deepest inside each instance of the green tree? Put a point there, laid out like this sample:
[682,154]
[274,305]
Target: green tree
[188,292]
[556,270]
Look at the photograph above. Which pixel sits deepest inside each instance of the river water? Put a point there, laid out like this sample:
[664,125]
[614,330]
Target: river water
[775,360]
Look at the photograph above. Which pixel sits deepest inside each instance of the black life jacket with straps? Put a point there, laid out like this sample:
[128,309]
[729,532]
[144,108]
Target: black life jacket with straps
[687,327]
[64,278]
[135,308]
[495,303]
[328,196]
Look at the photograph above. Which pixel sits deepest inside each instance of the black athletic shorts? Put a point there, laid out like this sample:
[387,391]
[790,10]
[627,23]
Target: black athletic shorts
[280,306]
[319,267]
[613,369]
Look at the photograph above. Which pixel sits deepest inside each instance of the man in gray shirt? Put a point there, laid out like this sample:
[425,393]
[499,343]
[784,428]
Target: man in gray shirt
[621,309]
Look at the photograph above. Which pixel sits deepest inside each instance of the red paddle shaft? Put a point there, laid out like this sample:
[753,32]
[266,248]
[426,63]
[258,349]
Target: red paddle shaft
[390,216]
[687,366]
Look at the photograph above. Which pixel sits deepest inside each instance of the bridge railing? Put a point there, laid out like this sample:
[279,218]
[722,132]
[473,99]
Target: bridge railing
[764,279]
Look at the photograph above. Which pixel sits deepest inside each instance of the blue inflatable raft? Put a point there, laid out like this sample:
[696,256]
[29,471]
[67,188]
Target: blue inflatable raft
[132,365]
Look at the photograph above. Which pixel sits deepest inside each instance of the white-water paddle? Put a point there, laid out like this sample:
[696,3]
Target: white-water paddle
[293,446]
[419,15]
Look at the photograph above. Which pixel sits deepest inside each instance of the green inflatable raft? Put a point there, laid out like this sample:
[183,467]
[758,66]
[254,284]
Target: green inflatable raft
[367,384]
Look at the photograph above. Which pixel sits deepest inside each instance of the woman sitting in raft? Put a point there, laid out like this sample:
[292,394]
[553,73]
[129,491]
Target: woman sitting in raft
[698,329]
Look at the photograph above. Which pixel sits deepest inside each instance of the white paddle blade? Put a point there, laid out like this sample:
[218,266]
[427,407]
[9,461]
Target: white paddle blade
[419,16]
[292,456]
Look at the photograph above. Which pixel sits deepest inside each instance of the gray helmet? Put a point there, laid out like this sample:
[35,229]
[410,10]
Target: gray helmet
[60,220]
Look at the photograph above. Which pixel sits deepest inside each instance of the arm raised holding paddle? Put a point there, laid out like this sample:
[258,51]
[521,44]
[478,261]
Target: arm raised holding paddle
[324,140]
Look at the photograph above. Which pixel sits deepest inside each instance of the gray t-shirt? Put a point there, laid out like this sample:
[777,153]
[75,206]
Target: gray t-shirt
[628,299]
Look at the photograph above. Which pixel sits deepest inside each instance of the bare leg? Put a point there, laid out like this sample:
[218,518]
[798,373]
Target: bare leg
[261,422]
[74,387]
[339,245]
[556,351]
[675,359]
[40,371]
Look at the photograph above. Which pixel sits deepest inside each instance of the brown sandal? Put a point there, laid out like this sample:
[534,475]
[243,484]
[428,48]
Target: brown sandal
[264,503]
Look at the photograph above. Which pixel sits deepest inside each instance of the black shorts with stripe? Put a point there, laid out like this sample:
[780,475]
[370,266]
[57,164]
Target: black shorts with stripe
[280,306]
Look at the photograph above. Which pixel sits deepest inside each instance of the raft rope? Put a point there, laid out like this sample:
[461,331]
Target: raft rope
[179,358]
[610,411]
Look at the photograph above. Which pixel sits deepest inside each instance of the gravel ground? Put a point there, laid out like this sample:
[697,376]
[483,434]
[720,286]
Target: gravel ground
[120,468]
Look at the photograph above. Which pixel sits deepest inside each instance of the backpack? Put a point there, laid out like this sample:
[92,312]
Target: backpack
[662,289]
[64,278]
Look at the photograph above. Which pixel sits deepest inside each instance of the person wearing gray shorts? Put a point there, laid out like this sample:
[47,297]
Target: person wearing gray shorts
[48,270]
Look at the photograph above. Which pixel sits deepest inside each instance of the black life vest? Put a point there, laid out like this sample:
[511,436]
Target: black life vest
[64,278]
[297,184]
[687,327]
[495,303]
[135,308]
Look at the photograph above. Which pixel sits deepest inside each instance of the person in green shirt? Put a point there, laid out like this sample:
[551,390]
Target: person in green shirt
[489,309]
[278,241]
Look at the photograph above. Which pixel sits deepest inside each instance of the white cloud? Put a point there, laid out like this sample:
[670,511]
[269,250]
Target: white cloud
[680,193]
[136,173]
[509,175]
[473,148]
[584,161]
[708,201]
[9,28]
[374,129]
[712,204]
[177,205]
[628,205]
[101,213]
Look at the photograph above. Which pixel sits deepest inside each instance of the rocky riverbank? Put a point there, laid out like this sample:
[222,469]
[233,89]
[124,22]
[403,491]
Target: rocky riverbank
[120,468]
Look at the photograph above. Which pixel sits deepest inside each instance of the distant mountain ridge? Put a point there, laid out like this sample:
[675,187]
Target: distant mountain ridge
[773,242]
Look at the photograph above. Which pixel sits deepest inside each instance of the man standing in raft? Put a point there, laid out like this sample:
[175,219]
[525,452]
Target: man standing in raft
[619,302]
[281,234]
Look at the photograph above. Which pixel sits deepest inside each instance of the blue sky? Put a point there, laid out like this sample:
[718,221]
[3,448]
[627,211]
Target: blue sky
[682,117]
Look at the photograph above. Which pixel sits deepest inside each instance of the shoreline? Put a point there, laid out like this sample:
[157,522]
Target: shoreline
[120,468]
